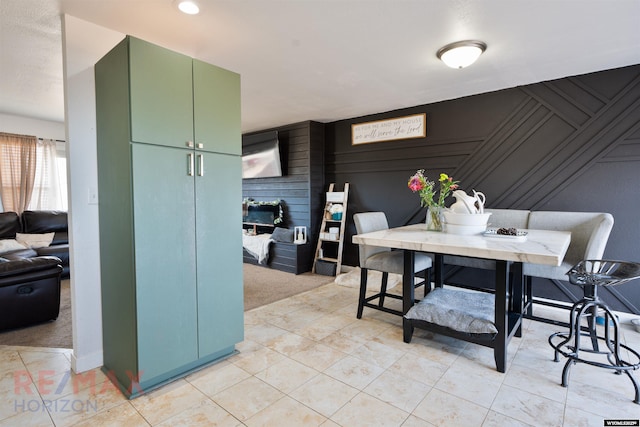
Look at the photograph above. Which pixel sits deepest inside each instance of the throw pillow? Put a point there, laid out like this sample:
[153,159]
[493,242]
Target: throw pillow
[8,245]
[282,235]
[35,240]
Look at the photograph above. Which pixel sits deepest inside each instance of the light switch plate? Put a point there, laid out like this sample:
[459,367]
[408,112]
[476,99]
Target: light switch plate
[93,196]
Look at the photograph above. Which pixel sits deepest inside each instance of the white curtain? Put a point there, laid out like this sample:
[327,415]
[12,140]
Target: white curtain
[49,190]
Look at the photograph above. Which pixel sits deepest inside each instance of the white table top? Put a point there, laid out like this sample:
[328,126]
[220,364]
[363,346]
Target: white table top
[540,247]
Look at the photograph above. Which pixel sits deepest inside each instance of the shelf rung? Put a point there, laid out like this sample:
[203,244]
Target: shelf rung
[329,259]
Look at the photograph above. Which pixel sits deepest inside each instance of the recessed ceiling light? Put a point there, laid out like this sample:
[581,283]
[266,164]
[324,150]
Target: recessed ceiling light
[189,7]
[461,54]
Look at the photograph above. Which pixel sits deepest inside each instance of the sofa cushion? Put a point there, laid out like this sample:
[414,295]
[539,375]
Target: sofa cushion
[9,245]
[9,225]
[58,251]
[28,265]
[44,221]
[60,238]
[20,254]
[39,240]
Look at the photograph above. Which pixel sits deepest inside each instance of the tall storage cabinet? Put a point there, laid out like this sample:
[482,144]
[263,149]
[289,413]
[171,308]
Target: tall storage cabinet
[170,190]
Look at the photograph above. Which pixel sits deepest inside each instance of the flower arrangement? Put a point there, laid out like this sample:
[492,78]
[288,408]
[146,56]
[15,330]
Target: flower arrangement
[335,211]
[426,189]
[419,183]
[336,208]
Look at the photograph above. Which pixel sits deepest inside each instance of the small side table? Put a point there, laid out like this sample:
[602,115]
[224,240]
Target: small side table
[595,273]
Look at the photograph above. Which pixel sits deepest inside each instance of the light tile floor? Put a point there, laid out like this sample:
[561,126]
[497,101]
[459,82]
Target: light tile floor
[307,361]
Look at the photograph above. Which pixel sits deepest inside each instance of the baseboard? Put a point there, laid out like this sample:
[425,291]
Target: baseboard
[86,363]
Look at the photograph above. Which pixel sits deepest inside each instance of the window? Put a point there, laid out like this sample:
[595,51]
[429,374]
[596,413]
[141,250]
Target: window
[50,183]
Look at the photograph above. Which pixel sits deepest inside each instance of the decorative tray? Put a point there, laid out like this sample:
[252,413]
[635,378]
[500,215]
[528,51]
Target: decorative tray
[520,235]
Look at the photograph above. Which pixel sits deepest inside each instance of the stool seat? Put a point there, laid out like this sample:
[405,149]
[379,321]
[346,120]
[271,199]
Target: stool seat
[597,273]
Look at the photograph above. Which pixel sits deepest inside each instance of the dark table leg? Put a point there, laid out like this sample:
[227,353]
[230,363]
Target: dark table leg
[501,313]
[438,271]
[408,292]
[517,294]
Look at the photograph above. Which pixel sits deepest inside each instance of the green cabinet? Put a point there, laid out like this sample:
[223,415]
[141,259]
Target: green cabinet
[218,219]
[216,109]
[170,215]
[161,88]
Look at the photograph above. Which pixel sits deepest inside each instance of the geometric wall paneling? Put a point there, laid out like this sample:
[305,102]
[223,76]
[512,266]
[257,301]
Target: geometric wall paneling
[570,144]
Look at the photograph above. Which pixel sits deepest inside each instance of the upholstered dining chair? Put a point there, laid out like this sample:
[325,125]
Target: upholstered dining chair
[385,261]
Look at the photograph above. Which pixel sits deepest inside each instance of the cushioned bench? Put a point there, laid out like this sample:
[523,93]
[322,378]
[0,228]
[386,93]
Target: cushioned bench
[589,235]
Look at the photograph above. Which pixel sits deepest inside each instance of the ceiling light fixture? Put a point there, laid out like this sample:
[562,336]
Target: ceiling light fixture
[189,7]
[461,54]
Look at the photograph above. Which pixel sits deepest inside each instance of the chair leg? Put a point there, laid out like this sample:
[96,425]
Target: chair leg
[383,288]
[363,291]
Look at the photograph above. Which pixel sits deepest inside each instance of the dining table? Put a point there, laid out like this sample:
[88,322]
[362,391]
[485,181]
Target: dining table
[546,247]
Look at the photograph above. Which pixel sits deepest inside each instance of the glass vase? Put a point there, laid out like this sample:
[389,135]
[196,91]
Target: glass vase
[434,218]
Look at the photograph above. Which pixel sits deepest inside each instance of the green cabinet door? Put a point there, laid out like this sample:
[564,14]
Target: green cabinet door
[216,100]
[161,95]
[164,233]
[219,243]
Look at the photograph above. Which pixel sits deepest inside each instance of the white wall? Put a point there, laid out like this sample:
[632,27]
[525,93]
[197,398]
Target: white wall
[83,45]
[29,126]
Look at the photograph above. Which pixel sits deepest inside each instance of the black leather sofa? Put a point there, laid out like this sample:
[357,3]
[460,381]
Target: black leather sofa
[37,222]
[29,291]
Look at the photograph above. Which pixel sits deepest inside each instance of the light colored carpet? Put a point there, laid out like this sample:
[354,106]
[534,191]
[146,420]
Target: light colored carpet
[261,286]
[374,280]
[264,285]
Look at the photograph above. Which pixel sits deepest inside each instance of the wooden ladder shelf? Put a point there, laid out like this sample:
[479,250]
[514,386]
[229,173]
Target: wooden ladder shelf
[327,241]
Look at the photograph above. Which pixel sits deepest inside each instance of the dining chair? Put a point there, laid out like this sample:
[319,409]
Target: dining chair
[385,261]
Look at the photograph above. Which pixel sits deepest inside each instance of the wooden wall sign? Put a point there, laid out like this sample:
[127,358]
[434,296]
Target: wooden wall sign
[407,127]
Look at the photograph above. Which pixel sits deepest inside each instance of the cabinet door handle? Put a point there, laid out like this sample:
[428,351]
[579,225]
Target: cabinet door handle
[189,144]
[190,164]
[200,165]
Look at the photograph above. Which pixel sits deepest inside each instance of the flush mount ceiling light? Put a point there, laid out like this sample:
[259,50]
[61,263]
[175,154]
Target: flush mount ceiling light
[190,7]
[461,54]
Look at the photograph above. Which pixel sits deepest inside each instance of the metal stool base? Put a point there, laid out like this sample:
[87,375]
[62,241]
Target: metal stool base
[568,344]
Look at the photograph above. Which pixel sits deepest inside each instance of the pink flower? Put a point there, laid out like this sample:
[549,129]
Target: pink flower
[415,183]
[429,195]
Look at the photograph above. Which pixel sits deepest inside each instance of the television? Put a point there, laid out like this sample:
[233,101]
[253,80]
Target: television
[261,159]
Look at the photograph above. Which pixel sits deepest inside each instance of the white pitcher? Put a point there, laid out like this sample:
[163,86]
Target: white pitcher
[464,203]
[479,200]
[468,204]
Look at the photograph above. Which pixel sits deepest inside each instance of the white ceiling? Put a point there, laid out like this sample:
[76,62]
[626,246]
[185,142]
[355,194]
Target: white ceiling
[327,60]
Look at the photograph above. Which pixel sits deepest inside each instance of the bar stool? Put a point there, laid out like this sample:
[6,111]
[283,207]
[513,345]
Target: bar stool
[596,273]
[385,261]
